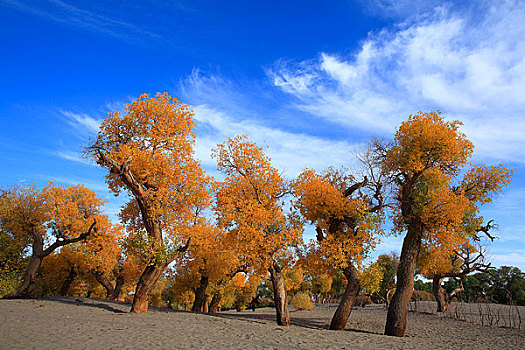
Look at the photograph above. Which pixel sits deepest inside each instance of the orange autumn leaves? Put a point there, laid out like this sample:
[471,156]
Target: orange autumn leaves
[432,153]
[65,211]
[249,203]
[350,230]
[155,140]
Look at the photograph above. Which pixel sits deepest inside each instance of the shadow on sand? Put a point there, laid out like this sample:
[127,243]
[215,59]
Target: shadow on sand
[102,304]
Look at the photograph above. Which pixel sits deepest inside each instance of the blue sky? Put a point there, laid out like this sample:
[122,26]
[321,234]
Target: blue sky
[310,80]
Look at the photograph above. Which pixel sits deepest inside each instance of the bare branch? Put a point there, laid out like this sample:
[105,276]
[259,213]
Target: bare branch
[63,242]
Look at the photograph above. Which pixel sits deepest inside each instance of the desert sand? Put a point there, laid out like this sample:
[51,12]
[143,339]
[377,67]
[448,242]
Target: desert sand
[65,323]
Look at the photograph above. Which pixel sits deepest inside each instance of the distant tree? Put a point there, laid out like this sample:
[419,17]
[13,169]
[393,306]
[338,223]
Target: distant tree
[64,215]
[424,162]
[347,214]
[457,266]
[249,207]
[388,264]
[508,285]
[423,286]
[148,152]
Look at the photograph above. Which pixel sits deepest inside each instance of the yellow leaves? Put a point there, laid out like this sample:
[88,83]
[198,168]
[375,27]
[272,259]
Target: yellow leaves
[349,228]
[482,181]
[248,203]
[370,278]
[70,211]
[65,211]
[152,143]
[426,140]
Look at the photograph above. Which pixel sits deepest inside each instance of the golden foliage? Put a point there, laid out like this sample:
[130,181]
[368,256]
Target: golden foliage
[426,159]
[302,301]
[249,206]
[149,153]
[349,229]
[370,279]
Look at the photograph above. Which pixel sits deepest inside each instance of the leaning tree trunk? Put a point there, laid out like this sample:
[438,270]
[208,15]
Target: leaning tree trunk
[280,298]
[118,286]
[347,300]
[29,277]
[215,301]
[146,283]
[106,283]
[68,281]
[37,256]
[439,294]
[396,320]
[200,295]
[23,291]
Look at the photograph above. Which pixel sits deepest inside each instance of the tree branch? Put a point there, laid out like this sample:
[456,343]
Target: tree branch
[63,242]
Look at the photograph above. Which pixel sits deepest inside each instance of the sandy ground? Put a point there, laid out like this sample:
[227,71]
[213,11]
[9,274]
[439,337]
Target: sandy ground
[63,323]
[483,314]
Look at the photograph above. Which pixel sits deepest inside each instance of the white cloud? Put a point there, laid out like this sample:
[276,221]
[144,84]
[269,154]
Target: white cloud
[472,69]
[398,8]
[290,152]
[224,109]
[74,157]
[62,12]
[82,122]
[509,257]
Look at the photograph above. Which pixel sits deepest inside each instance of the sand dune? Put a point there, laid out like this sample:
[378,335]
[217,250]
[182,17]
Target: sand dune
[59,323]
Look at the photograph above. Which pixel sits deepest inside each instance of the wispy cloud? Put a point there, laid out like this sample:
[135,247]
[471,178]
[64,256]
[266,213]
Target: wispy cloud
[62,12]
[74,157]
[472,70]
[290,152]
[99,186]
[224,112]
[82,122]
[397,9]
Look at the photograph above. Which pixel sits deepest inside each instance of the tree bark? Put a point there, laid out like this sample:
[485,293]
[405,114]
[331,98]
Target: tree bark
[279,295]
[32,269]
[200,294]
[38,254]
[68,281]
[347,300]
[215,301]
[396,320]
[106,283]
[118,286]
[205,304]
[29,277]
[439,294]
[146,283]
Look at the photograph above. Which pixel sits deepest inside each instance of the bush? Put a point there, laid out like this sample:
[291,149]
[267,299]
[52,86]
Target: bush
[302,301]
[420,295]
[363,300]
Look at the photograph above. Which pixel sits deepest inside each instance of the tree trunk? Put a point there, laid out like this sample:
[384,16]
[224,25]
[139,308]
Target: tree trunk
[347,300]
[118,286]
[99,276]
[280,298]
[439,294]
[205,304]
[215,301]
[396,320]
[200,295]
[68,281]
[146,283]
[29,277]
[38,254]
[32,269]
